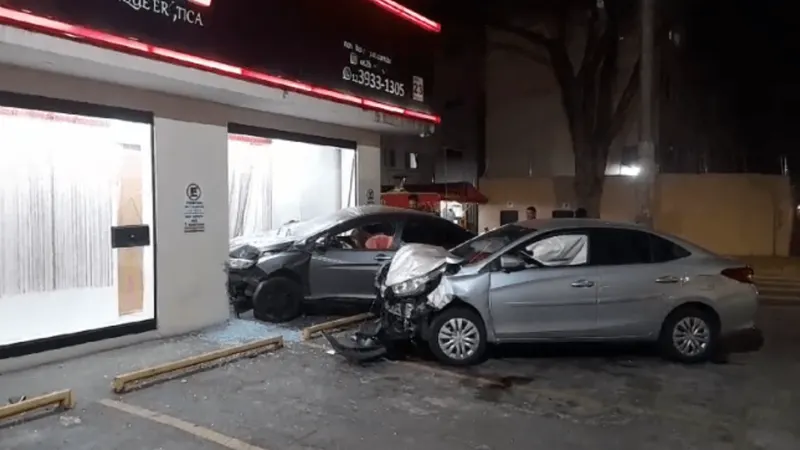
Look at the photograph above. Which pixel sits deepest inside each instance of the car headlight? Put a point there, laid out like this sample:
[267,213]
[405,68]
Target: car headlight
[413,286]
[240,264]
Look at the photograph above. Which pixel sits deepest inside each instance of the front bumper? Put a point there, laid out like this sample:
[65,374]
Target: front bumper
[241,285]
[745,340]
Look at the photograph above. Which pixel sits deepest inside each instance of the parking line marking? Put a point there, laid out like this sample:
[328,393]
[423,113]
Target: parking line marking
[188,427]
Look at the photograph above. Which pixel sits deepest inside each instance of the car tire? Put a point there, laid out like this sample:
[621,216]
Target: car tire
[277,299]
[450,323]
[689,335]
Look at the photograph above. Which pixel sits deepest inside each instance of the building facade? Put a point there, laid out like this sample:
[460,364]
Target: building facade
[138,136]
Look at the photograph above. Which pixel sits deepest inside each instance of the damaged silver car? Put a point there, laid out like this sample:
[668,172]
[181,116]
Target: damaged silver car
[561,280]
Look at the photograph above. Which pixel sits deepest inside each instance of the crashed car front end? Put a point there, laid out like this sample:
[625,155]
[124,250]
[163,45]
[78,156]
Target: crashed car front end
[409,290]
[249,264]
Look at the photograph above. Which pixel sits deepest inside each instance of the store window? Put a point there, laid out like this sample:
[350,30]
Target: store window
[76,216]
[274,181]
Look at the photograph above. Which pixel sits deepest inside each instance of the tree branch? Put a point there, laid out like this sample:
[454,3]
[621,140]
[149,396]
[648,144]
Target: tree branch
[624,103]
[520,50]
[528,35]
[589,47]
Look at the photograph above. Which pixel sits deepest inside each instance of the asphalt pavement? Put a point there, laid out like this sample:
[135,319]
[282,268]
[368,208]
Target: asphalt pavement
[302,397]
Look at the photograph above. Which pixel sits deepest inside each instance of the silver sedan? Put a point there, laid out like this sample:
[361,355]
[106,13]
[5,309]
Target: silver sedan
[590,280]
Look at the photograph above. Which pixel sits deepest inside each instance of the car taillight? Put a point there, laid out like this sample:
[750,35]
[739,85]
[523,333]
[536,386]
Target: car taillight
[740,274]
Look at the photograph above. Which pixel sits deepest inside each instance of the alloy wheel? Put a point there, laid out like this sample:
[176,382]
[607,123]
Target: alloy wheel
[691,336]
[458,338]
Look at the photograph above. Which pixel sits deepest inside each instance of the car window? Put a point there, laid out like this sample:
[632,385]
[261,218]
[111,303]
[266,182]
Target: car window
[614,246]
[374,235]
[431,231]
[664,250]
[560,250]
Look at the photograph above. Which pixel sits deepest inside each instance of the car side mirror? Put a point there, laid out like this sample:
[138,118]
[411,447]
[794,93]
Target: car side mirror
[321,244]
[510,263]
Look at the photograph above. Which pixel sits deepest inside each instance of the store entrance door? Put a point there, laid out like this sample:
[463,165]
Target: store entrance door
[76,215]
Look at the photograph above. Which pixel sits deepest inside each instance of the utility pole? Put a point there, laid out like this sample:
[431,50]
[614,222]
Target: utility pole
[647,177]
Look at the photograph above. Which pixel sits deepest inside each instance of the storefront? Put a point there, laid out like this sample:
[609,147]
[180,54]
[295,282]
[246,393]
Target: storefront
[137,136]
[276,177]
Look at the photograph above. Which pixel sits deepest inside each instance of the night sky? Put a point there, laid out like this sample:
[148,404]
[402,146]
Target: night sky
[754,49]
[749,52]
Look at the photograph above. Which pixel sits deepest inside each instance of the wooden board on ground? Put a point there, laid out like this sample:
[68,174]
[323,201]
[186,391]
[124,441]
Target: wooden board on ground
[129,381]
[59,399]
[334,325]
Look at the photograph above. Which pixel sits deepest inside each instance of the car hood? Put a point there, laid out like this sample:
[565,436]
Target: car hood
[264,242]
[416,260]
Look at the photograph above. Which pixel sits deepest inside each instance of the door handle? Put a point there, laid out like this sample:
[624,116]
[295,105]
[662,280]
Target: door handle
[668,279]
[582,284]
[382,257]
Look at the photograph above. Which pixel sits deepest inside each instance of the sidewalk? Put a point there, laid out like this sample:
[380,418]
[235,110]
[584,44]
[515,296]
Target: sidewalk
[90,376]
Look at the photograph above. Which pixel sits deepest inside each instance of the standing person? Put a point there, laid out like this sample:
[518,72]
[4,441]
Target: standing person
[530,213]
[413,201]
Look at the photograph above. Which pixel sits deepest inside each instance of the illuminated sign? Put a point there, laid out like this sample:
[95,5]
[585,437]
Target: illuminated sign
[354,49]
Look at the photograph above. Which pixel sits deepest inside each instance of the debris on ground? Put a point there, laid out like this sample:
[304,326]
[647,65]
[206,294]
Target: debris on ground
[237,332]
[69,421]
[18,399]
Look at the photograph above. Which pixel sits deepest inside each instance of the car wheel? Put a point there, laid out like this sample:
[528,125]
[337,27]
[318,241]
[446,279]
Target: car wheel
[277,299]
[689,335]
[458,337]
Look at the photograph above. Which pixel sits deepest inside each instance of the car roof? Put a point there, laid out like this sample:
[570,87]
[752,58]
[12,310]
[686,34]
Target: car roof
[569,222]
[368,210]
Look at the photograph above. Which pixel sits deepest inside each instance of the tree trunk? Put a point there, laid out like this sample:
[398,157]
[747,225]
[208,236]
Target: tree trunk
[590,167]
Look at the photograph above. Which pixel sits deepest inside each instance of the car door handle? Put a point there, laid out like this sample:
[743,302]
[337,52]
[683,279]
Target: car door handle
[582,284]
[668,279]
[382,257]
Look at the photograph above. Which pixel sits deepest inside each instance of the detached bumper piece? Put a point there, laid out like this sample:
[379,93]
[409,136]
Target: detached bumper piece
[365,346]
[743,341]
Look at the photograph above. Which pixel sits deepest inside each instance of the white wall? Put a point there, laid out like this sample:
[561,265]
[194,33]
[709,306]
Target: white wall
[368,162]
[191,146]
[190,283]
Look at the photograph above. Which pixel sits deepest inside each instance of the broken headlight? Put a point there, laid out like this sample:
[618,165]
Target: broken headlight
[240,264]
[416,286]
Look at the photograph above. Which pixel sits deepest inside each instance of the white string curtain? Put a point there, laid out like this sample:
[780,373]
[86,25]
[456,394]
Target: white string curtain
[271,183]
[58,187]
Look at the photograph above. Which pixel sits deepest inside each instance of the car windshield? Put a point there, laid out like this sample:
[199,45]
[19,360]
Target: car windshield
[310,227]
[490,242]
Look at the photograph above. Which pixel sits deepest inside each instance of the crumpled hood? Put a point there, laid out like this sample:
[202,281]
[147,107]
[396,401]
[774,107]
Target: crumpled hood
[268,241]
[416,260]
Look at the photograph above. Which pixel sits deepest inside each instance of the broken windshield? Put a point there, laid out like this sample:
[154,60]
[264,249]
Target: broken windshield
[490,242]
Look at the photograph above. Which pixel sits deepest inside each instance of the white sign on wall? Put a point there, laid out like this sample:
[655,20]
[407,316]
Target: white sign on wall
[368,163]
[194,214]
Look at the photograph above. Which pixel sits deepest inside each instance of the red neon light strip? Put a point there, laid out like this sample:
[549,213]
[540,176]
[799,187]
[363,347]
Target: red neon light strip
[409,15]
[55,27]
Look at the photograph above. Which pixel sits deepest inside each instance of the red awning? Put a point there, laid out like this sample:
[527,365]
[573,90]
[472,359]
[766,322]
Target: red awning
[453,192]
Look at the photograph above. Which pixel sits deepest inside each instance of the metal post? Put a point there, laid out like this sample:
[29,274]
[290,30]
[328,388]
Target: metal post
[646,140]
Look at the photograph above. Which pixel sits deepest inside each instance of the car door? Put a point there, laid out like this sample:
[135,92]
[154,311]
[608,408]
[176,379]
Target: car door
[635,282]
[349,273]
[554,298]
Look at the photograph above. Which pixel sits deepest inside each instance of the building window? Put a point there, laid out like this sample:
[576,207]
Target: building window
[411,160]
